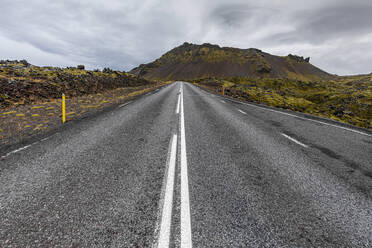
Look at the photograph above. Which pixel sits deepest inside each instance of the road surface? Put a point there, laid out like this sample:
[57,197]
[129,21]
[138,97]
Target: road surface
[181,167]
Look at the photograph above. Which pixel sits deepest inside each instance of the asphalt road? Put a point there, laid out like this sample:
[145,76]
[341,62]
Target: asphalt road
[181,167]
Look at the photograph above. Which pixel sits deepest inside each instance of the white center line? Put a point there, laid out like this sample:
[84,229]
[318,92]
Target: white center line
[241,111]
[186,240]
[295,141]
[178,104]
[168,198]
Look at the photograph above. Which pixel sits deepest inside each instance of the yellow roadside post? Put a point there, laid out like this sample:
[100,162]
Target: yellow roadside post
[63,108]
[223,90]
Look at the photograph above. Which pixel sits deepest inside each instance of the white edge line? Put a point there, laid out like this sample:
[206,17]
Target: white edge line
[164,234]
[186,240]
[223,101]
[303,118]
[15,151]
[299,117]
[125,104]
[241,111]
[294,140]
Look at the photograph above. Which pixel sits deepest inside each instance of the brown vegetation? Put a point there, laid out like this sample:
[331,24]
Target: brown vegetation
[190,61]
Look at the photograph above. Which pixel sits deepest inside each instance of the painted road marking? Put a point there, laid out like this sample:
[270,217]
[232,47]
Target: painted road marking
[166,218]
[186,240]
[303,118]
[223,101]
[241,111]
[17,150]
[125,104]
[178,104]
[294,140]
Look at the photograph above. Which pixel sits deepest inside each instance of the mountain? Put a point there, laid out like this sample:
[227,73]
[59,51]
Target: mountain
[190,61]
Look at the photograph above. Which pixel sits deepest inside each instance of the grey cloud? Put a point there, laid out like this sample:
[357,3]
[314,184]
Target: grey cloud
[123,34]
[238,15]
[316,26]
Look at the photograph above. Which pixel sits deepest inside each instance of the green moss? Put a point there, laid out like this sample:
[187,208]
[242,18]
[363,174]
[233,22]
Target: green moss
[347,99]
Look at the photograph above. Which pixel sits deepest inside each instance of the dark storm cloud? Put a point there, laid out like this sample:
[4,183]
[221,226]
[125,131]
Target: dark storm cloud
[337,34]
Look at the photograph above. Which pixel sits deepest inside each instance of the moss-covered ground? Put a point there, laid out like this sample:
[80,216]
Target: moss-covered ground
[347,99]
[30,96]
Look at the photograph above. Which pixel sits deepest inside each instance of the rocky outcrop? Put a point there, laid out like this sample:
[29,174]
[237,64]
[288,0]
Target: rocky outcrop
[298,58]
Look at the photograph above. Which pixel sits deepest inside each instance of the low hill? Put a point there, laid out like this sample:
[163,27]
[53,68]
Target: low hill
[190,61]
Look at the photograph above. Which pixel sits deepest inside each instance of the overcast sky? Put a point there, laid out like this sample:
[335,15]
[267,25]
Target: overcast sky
[121,34]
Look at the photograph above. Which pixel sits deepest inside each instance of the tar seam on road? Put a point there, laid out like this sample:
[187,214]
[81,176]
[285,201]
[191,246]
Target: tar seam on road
[241,111]
[303,118]
[166,216]
[186,240]
[178,104]
[294,140]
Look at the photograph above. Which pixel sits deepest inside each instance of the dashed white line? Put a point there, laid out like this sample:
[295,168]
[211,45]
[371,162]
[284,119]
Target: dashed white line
[303,118]
[294,140]
[166,218]
[241,111]
[186,240]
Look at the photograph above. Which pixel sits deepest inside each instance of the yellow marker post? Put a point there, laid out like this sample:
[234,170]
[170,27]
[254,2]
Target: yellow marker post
[223,90]
[63,108]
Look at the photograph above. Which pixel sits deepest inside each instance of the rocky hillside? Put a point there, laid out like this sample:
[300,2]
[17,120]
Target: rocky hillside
[23,83]
[190,61]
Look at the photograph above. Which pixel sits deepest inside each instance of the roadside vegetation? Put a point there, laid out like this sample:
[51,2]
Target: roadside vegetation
[22,83]
[30,96]
[347,99]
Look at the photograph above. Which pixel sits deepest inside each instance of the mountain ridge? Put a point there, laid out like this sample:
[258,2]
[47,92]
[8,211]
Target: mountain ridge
[190,61]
